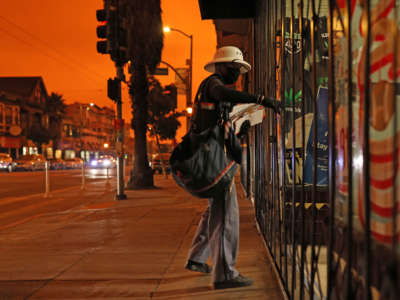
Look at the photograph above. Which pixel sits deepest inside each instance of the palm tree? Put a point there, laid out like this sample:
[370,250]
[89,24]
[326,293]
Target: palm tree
[55,109]
[145,43]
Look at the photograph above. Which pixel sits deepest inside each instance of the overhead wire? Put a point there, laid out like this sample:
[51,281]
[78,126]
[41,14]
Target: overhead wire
[50,47]
[84,71]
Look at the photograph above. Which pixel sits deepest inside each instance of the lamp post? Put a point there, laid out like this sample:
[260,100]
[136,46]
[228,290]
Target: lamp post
[190,64]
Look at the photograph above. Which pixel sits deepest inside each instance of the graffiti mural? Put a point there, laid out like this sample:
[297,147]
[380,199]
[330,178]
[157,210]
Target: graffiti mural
[384,173]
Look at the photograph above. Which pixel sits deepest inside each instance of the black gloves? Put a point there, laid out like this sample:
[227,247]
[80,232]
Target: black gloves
[244,129]
[270,103]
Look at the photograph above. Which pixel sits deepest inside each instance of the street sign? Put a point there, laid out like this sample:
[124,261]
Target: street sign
[181,85]
[161,71]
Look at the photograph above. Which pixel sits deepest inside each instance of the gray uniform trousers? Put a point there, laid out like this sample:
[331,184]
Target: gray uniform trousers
[218,234]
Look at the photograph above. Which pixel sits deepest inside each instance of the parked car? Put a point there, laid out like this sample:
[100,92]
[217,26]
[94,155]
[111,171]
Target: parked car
[104,161]
[56,164]
[73,163]
[31,162]
[6,162]
[156,163]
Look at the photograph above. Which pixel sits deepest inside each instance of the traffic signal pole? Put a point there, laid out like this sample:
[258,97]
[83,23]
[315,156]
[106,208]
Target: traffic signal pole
[119,145]
[113,41]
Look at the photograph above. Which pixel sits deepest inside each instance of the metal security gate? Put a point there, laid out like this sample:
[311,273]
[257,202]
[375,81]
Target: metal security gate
[326,177]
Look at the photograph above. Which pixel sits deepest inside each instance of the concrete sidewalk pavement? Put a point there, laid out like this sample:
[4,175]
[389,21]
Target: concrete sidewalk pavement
[130,249]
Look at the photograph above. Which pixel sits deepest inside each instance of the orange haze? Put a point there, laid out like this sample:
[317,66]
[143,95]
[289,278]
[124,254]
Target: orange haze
[57,40]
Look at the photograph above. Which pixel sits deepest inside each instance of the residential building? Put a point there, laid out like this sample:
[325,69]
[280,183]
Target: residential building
[22,114]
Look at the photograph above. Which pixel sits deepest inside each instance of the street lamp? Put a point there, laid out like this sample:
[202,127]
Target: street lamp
[190,77]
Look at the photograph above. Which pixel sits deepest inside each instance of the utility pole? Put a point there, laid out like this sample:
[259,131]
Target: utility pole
[190,77]
[189,62]
[113,41]
[119,145]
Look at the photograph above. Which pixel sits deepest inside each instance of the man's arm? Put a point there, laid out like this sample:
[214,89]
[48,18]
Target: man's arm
[219,92]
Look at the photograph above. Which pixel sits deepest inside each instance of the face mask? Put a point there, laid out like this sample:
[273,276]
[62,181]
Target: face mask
[231,75]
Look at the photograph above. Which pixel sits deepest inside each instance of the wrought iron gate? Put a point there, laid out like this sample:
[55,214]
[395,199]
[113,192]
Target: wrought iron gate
[326,177]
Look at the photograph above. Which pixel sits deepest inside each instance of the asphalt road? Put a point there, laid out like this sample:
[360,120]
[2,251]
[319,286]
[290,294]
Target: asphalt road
[19,184]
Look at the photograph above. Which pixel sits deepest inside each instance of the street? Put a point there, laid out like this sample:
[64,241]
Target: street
[19,184]
[86,245]
[22,194]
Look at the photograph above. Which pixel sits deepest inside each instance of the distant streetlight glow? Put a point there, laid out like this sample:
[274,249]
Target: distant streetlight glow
[91,104]
[189,110]
[189,81]
[106,145]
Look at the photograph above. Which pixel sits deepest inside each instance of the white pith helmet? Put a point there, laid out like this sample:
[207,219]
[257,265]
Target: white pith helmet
[228,54]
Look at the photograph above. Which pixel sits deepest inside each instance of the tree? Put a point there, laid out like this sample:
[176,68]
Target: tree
[162,115]
[55,109]
[39,135]
[145,43]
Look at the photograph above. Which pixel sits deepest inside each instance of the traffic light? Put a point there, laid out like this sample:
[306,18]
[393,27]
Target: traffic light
[114,89]
[120,45]
[112,32]
[103,31]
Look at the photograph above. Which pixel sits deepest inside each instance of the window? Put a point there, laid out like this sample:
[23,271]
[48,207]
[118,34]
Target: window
[37,94]
[9,115]
[1,113]
[16,115]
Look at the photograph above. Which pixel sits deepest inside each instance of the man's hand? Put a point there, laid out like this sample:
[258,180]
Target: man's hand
[244,129]
[270,103]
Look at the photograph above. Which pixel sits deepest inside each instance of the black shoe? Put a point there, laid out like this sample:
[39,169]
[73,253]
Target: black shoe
[238,281]
[197,267]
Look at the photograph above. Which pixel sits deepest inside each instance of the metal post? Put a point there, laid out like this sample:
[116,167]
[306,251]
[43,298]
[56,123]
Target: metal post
[189,85]
[83,176]
[47,181]
[120,143]
[191,70]
[108,185]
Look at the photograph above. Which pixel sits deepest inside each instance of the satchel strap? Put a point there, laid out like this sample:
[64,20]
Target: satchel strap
[198,103]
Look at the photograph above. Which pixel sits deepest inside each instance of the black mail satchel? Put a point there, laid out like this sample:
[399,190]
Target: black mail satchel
[200,164]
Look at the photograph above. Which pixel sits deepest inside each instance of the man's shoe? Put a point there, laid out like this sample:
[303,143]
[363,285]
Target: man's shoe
[238,281]
[197,267]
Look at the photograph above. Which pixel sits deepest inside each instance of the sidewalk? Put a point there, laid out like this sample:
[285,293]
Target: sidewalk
[131,249]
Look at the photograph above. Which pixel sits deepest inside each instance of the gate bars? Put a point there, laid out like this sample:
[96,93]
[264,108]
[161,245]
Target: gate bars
[326,169]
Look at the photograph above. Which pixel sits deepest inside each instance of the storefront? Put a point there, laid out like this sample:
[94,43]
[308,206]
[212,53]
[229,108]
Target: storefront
[323,174]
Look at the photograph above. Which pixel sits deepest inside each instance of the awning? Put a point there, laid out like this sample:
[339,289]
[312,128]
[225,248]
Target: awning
[237,26]
[252,112]
[227,9]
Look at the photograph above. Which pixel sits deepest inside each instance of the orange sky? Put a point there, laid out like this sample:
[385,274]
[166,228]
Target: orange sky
[57,40]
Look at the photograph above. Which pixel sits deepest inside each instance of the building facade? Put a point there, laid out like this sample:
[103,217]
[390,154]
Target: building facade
[22,114]
[27,124]
[323,175]
[87,131]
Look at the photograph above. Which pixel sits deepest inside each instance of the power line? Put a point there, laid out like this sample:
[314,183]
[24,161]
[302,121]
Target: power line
[78,66]
[48,45]
[45,54]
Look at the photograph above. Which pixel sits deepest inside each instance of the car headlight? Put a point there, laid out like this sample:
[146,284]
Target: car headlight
[106,162]
[93,163]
